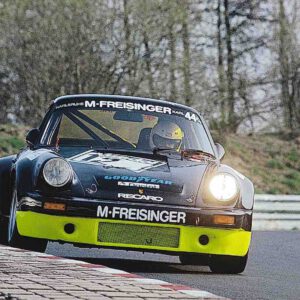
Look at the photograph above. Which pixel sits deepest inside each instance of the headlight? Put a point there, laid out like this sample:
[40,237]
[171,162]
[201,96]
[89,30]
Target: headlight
[223,187]
[57,172]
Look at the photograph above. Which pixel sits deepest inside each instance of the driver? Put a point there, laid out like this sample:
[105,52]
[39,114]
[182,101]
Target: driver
[166,135]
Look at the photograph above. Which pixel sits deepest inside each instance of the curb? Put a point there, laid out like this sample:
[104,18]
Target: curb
[186,291]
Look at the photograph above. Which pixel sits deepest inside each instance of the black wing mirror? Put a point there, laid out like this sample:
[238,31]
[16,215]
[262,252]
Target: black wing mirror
[32,137]
[220,151]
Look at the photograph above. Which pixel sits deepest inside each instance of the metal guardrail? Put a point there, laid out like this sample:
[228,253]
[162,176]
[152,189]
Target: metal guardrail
[276,212]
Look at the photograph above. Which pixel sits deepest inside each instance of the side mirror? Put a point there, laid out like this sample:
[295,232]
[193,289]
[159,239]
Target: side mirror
[32,137]
[220,151]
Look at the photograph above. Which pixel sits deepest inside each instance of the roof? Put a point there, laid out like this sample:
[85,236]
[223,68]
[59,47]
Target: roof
[70,98]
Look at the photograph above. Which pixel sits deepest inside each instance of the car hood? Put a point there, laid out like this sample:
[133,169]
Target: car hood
[161,179]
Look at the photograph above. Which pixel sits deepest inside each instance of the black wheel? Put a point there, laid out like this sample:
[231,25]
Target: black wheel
[14,239]
[225,264]
[194,259]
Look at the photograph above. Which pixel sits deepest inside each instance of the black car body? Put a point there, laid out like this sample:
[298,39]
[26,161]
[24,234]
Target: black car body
[90,177]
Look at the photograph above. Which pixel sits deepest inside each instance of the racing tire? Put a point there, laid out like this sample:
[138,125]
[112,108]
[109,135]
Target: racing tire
[193,259]
[14,239]
[3,230]
[225,264]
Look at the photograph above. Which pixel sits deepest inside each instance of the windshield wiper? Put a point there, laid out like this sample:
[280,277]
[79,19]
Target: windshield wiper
[157,150]
[186,153]
[196,154]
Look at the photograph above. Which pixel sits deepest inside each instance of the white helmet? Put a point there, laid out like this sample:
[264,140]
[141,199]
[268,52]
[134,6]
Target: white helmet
[166,135]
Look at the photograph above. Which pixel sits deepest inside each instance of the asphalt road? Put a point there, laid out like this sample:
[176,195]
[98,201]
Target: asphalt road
[273,270]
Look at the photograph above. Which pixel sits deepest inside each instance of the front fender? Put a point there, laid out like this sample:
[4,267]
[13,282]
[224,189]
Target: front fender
[28,175]
[27,169]
[246,200]
[246,195]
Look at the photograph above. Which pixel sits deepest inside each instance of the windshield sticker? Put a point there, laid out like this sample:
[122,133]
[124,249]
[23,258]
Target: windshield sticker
[132,106]
[113,160]
[137,214]
[140,197]
[139,179]
[129,105]
[191,117]
[71,104]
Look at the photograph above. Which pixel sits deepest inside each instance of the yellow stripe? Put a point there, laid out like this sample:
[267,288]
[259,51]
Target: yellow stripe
[221,241]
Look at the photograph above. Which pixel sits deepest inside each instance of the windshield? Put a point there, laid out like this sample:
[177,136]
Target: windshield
[125,125]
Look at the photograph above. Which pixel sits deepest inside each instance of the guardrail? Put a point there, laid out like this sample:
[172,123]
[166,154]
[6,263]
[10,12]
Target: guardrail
[276,212]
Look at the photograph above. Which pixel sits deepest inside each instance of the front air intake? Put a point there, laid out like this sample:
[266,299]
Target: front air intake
[142,235]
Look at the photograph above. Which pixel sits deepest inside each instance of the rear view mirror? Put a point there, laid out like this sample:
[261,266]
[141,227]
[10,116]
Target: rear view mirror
[129,116]
[32,137]
[220,151]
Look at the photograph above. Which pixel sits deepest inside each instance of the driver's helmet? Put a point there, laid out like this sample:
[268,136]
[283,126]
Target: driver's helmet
[166,135]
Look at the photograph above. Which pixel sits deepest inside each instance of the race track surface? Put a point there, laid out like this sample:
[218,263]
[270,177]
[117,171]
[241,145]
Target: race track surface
[273,270]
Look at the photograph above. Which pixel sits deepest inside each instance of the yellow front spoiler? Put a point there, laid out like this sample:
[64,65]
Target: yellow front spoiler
[221,241]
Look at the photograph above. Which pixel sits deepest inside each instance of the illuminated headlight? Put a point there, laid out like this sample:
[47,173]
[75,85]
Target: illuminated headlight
[223,187]
[57,172]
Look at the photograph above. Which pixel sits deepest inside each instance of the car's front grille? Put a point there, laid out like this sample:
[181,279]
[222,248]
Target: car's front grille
[142,235]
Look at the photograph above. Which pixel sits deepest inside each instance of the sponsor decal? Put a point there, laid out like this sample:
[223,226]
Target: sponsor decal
[191,117]
[71,104]
[141,214]
[113,160]
[92,190]
[139,179]
[140,197]
[139,185]
[129,106]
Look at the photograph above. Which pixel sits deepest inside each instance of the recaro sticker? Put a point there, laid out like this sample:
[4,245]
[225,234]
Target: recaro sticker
[113,160]
[140,197]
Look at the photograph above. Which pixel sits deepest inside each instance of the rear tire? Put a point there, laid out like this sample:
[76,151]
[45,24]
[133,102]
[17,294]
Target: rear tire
[225,264]
[14,239]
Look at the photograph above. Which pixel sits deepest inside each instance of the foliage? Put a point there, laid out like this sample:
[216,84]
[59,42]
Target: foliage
[270,161]
[235,61]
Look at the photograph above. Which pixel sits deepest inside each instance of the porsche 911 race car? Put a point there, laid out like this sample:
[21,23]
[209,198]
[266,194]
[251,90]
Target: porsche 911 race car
[127,173]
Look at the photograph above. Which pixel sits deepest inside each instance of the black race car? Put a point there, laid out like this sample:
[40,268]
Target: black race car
[127,173]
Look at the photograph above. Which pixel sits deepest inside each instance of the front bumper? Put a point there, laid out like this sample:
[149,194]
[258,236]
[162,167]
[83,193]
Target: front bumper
[116,224]
[221,241]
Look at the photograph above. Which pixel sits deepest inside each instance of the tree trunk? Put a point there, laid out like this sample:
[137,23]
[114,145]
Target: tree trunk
[186,59]
[286,98]
[222,88]
[128,48]
[230,69]
[172,47]
[148,65]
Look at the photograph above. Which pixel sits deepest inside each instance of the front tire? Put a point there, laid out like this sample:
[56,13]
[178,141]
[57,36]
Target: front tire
[3,230]
[14,238]
[194,259]
[225,264]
